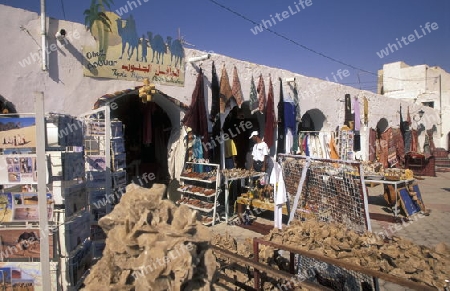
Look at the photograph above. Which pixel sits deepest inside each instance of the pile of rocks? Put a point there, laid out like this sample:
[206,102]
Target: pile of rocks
[152,244]
[395,256]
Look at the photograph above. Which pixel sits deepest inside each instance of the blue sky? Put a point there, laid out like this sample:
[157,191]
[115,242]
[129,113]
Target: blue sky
[304,41]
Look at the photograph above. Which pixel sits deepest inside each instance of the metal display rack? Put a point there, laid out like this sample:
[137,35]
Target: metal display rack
[199,187]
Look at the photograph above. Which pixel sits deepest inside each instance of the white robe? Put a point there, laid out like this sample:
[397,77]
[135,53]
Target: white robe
[276,179]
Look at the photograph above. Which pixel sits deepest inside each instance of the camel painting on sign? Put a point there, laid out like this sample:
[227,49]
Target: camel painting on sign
[158,47]
[132,54]
[176,51]
[129,36]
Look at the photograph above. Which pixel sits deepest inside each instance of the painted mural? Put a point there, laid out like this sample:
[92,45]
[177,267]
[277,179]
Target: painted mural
[123,53]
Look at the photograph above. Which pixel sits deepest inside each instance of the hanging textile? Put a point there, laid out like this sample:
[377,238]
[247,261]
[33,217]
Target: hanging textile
[408,118]
[298,119]
[333,151]
[290,124]
[281,144]
[408,141]
[215,113]
[357,142]
[195,118]
[305,145]
[357,114]
[372,145]
[225,90]
[402,123]
[429,133]
[366,111]
[261,94]
[399,145]
[414,140]
[253,97]
[270,117]
[215,95]
[289,139]
[147,136]
[279,190]
[176,152]
[348,110]
[236,90]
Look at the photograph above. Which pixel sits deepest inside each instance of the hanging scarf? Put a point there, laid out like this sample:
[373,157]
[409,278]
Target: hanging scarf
[333,151]
[408,118]
[215,95]
[261,94]
[270,117]
[195,118]
[298,114]
[348,110]
[281,144]
[366,111]
[357,114]
[225,90]
[236,89]
[253,97]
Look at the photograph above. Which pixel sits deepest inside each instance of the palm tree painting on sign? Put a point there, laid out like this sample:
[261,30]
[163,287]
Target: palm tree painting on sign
[98,23]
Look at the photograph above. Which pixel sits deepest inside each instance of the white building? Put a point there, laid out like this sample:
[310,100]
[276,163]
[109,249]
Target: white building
[421,85]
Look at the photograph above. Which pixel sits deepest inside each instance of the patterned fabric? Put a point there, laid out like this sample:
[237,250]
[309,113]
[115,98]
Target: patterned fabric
[236,89]
[270,117]
[414,141]
[225,90]
[215,95]
[348,110]
[366,111]
[261,94]
[399,146]
[253,97]
[372,145]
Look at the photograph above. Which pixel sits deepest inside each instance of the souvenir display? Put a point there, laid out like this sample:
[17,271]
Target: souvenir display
[200,188]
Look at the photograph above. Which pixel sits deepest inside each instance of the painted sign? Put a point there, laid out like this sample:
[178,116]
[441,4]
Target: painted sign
[17,133]
[19,169]
[22,243]
[123,53]
[22,206]
[25,276]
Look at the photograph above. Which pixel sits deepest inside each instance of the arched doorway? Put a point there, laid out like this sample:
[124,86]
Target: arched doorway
[238,124]
[147,129]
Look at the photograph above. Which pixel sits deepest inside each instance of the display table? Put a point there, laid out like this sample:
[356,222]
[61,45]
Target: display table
[256,203]
[396,184]
[228,179]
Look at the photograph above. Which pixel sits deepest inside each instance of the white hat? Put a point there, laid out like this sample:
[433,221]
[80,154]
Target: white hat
[254,133]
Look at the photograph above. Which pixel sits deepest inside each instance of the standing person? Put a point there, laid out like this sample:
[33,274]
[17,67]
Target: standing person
[260,153]
[230,154]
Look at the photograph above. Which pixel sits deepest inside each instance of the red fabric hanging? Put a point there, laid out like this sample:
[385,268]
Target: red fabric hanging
[261,94]
[236,89]
[225,90]
[195,118]
[270,117]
